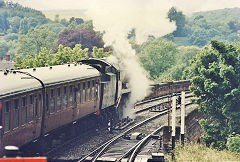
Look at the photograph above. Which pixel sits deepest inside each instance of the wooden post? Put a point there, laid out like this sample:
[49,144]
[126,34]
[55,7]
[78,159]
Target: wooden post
[182,117]
[174,121]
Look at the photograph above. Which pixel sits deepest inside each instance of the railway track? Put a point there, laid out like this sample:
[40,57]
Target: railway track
[158,103]
[104,146]
[132,147]
[94,150]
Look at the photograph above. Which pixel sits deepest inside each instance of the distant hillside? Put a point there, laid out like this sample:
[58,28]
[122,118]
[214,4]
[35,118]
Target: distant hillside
[222,15]
[201,27]
[66,14]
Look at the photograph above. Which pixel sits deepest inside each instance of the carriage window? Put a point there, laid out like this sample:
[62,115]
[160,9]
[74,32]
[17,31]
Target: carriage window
[88,92]
[37,105]
[47,102]
[84,93]
[7,108]
[16,113]
[70,95]
[93,89]
[52,101]
[31,104]
[98,89]
[24,110]
[64,97]
[59,99]
[79,94]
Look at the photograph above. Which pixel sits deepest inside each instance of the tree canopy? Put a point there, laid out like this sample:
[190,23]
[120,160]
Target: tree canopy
[88,38]
[32,42]
[156,56]
[215,74]
[63,55]
[179,18]
[201,27]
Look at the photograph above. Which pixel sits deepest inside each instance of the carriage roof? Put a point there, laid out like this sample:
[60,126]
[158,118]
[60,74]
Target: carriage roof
[14,83]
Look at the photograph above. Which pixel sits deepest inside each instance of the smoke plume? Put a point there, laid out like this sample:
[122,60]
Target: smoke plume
[116,19]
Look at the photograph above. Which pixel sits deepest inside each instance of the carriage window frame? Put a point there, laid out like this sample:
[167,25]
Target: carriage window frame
[59,98]
[9,116]
[88,91]
[79,94]
[15,123]
[38,105]
[70,94]
[93,90]
[52,101]
[24,107]
[65,98]
[31,107]
[83,92]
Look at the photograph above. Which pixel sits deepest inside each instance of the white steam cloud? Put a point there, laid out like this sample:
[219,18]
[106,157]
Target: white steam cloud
[116,19]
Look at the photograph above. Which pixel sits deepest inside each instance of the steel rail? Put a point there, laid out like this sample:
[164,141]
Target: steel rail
[107,144]
[142,142]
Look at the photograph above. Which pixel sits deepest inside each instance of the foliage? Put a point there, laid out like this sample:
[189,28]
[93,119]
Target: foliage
[183,57]
[77,20]
[179,18]
[131,34]
[86,37]
[156,56]
[55,27]
[3,48]
[201,27]
[196,152]
[31,43]
[63,55]
[99,53]
[233,143]
[164,59]
[215,74]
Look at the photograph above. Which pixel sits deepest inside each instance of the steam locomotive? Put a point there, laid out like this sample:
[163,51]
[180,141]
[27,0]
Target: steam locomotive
[36,101]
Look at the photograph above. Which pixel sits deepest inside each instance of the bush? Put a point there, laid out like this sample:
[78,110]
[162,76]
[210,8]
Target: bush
[233,143]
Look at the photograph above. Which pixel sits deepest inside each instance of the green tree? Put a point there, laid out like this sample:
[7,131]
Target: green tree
[182,57]
[66,54]
[3,48]
[157,56]
[64,22]
[32,42]
[14,24]
[233,143]
[56,18]
[63,55]
[4,24]
[2,4]
[179,18]
[215,74]
[99,53]
[131,34]
[23,28]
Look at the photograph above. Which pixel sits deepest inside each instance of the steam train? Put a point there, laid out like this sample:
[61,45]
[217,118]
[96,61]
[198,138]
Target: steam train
[36,101]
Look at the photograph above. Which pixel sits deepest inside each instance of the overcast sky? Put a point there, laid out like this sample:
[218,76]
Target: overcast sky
[186,5]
